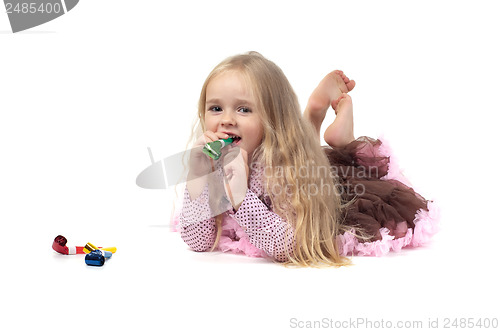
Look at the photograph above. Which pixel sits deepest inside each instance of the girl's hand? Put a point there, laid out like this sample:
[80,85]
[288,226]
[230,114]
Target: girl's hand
[236,175]
[200,165]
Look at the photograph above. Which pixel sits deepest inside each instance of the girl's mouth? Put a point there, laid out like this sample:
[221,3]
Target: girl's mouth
[236,139]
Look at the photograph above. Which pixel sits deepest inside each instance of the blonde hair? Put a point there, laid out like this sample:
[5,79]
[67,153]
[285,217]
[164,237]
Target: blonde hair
[289,144]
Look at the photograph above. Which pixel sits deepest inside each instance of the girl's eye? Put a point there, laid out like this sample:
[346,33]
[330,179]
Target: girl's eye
[215,109]
[244,110]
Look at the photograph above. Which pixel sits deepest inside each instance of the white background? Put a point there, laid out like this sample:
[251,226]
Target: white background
[83,96]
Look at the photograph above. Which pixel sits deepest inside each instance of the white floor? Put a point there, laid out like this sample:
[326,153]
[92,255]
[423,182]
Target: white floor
[83,96]
[154,282]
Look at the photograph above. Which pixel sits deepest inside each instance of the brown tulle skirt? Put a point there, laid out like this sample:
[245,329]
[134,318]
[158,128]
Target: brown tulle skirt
[378,200]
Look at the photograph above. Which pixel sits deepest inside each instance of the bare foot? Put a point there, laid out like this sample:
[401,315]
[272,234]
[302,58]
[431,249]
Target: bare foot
[344,85]
[344,104]
[341,131]
[325,95]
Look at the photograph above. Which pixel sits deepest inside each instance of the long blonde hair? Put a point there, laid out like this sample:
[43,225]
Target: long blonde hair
[289,145]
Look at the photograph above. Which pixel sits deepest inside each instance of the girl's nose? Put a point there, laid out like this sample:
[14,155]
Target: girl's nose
[227,119]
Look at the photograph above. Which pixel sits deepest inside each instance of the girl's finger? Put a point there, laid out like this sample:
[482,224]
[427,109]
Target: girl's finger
[222,135]
[210,136]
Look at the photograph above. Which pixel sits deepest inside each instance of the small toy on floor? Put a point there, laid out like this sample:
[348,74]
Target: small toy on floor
[60,242]
[95,256]
[89,247]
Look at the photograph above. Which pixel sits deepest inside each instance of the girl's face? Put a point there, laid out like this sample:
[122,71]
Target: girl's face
[231,108]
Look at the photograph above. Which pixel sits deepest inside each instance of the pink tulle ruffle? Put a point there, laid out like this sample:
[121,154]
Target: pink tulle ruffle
[233,238]
[425,226]
[174,222]
[394,171]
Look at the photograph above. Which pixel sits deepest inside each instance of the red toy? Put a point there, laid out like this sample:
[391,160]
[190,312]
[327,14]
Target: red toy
[59,245]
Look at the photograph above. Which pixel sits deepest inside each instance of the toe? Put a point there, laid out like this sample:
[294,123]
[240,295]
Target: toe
[344,97]
[350,85]
[339,72]
[336,102]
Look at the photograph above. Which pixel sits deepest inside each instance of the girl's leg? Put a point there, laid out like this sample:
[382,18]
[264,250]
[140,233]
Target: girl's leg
[327,94]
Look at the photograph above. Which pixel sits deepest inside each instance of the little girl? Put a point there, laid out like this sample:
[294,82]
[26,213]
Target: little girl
[275,192]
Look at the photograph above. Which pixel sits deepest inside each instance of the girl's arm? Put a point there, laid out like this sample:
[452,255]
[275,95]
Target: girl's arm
[197,222]
[265,229]
[197,225]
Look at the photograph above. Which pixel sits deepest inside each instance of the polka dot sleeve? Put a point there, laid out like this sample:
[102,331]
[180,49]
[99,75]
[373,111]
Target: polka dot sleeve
[197,227]
[265,229]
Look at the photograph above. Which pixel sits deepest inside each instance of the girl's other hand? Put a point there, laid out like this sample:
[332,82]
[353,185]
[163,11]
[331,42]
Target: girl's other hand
[237,172]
